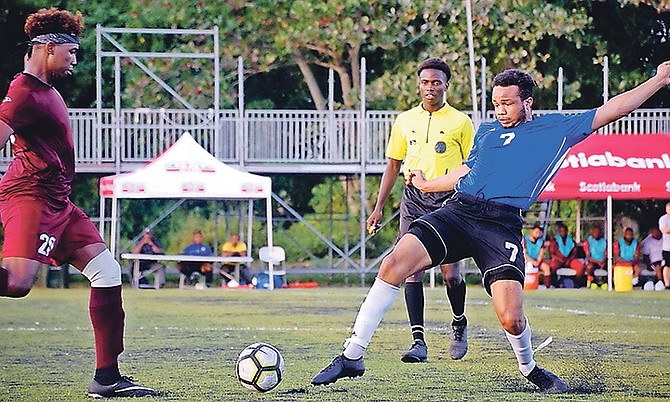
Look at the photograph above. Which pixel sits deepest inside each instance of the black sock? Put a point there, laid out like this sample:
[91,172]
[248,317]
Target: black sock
[4,278]
[415,302]
[107,375]
[456,295]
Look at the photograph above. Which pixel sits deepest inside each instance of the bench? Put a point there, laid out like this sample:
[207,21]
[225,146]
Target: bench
[136,258]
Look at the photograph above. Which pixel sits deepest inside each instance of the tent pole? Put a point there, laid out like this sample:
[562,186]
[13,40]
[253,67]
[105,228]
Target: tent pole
[578,228]
[250,215]
[112,235]
[101,227]
[240,216]
[609,243]
[216,232]
[268,208]
[363,142]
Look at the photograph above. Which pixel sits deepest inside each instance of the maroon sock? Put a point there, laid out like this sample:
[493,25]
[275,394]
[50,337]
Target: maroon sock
[4,278]
[547,281]
[107,317]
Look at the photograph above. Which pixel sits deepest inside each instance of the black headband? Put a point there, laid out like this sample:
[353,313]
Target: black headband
[57,38]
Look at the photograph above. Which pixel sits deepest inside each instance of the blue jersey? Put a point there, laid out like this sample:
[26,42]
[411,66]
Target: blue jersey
[597,248]
[533,249]
[627,251]
[198,249]
[565,246]
[513,165]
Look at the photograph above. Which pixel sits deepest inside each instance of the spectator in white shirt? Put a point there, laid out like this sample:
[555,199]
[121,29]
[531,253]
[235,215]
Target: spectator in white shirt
[652,253]
[664,226]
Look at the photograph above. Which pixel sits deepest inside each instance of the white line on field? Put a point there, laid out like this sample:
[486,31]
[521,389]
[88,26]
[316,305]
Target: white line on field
[587,312]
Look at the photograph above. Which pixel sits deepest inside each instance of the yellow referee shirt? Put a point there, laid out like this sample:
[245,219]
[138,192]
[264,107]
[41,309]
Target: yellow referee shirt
[436,143]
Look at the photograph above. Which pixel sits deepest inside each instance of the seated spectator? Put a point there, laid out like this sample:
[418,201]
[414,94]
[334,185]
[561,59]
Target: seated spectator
[533,246]
[235,248]
[148,244]
[652,253]
[194,269]
[595,247]
[627,253]
[562,254]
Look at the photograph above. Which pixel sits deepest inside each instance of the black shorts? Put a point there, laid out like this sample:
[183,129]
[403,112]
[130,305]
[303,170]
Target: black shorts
[415,204]
[666,258]
[467,226]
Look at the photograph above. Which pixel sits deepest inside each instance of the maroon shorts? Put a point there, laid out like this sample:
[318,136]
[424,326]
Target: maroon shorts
[35,231]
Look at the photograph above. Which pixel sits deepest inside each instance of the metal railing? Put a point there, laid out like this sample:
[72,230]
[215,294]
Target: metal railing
[261,140]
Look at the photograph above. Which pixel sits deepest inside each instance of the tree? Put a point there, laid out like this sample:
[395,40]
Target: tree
[312,35]
[508,33]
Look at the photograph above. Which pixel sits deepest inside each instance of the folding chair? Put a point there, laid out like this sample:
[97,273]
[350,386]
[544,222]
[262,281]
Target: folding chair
[278,257]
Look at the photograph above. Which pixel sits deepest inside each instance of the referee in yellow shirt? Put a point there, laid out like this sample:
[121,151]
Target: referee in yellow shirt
[435,138]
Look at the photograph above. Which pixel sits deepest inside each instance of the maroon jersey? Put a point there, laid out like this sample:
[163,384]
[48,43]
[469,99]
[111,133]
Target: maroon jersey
[43,147]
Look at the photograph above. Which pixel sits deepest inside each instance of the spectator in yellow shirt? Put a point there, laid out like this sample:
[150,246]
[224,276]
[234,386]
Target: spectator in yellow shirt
[235,248]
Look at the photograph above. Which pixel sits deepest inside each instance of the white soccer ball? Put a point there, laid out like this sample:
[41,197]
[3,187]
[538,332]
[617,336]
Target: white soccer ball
[260,367]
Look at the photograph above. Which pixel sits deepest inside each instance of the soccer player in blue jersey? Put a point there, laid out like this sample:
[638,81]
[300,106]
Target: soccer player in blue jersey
[483,218]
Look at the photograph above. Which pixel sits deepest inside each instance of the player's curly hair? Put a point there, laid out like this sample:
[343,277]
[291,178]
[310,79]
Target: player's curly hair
[436,64]
[53,20]
[516,77]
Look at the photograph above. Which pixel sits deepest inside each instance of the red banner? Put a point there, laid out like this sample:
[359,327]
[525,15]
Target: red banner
[623,166]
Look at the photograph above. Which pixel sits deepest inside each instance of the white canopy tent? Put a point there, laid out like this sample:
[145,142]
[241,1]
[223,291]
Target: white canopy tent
[187,170]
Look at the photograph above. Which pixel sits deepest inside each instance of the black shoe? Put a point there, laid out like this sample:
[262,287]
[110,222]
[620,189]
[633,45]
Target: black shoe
[548,382]
[340,367]
[417,353]
[120,389]
[459,341]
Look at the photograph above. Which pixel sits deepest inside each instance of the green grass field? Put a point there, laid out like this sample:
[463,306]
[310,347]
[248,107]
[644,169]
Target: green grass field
[607,346]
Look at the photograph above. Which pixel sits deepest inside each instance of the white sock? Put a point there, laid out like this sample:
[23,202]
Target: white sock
[379,300]
[523,349]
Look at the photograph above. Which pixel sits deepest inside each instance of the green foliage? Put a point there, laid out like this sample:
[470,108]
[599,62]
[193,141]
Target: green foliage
[335,35]
[85,193]
[337,216]
[393,36]
[507,33]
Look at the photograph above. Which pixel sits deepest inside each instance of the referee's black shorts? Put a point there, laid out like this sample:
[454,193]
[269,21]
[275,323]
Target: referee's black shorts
[485,230]
[414,204]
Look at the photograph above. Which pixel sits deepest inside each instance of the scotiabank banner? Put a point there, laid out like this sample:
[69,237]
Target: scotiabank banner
[623,166]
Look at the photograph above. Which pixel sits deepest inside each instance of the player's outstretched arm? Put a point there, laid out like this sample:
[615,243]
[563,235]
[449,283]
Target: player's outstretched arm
[5,132]
[628,101]
[442,183]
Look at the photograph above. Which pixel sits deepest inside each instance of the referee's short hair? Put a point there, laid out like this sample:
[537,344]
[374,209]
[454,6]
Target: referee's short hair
[516,77]
[436,64]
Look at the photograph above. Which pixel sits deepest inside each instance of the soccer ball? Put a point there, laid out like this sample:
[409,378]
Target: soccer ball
[260,367]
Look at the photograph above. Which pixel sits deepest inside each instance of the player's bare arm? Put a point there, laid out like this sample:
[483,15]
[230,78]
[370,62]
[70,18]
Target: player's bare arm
[388,180]
[628,101]
[442,183]
[5,132]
